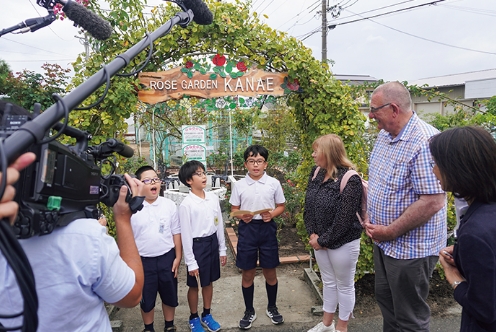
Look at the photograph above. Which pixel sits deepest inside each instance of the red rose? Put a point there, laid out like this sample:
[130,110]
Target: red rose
[188,64]
[219,60]
[241,66]
[294,86]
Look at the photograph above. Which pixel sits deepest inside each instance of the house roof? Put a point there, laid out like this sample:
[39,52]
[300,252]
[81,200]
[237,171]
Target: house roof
[455,79]
[355,79]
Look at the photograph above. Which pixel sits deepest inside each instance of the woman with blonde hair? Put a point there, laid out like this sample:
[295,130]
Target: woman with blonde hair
[331,221]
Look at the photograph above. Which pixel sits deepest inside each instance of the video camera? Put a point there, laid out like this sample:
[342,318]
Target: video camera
[65,182]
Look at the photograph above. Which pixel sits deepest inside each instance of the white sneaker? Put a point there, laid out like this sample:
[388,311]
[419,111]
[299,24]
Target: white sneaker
[320,327]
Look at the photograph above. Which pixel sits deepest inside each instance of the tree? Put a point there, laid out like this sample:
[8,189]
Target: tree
[28,87]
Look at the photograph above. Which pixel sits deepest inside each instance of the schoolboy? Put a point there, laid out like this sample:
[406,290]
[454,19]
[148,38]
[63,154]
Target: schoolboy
[257,233]
[157,233]
[204,244]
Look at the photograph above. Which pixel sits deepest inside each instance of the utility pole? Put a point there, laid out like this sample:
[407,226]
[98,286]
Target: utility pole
[324,31]
[84,41]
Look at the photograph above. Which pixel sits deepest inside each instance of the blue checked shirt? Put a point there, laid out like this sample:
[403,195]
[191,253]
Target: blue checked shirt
[399,173]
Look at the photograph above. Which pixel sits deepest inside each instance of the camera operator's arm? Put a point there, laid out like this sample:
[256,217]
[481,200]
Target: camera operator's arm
[9,208]
[126,244]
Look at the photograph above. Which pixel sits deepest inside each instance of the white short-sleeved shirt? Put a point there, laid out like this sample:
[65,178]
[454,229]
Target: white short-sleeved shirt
[253,195]
[76,269]
[154,227]
[200,218]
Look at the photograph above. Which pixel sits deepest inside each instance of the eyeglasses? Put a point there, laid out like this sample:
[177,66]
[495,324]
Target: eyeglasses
[253,161]
[375,109]
[200,174]
[151,181]
[432,163]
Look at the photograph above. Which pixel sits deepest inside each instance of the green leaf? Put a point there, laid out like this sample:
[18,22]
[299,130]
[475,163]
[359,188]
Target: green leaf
[213,76]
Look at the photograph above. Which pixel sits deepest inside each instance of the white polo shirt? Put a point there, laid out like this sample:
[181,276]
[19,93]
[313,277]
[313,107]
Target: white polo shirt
[154,227]
[200,218]
[253,195]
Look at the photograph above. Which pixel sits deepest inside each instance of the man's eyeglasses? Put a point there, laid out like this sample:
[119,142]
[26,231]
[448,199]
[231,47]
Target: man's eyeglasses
[375,109]
[253,161]
[432,163]
[200,174]
[151,181]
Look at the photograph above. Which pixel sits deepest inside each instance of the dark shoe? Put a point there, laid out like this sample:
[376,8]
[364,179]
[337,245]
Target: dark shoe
[170,329]
[274,315]
[248,318]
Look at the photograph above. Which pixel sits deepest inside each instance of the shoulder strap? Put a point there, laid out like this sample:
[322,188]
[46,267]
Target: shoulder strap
[345,179]
[316,172]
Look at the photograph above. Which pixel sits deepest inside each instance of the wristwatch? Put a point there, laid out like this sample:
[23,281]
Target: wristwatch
[456,283]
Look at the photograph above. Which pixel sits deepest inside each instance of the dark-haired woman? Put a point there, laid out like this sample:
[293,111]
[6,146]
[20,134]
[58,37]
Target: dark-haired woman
[465,164]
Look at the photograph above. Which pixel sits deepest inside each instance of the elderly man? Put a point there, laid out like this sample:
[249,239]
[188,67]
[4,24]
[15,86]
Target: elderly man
[407,210]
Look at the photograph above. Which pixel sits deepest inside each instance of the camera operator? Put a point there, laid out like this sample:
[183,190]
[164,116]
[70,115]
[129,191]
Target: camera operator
[76,268]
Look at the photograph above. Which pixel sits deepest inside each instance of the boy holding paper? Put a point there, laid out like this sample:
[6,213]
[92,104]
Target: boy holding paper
[257,233]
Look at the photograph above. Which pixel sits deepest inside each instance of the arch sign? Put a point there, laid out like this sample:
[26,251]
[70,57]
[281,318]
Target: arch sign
[211,78]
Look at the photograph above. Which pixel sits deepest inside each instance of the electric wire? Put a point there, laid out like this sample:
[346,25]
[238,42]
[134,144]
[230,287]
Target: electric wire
[316,2]
[49,27]
[434,41]
[309,34]
[41,49]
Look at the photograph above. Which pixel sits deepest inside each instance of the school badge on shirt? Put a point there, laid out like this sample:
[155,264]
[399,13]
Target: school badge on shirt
[216,221]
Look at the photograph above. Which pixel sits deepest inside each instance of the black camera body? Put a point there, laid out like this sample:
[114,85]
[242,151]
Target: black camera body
[65,182]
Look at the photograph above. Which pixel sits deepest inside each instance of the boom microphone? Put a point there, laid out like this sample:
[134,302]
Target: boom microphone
[86,19]
[203,15]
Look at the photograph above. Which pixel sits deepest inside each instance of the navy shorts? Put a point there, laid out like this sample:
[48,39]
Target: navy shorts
[206,251]
[257,241]
[159,278]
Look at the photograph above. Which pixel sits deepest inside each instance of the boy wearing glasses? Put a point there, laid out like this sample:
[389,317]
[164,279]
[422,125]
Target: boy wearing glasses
[157,233]
[257,233]
[204,244]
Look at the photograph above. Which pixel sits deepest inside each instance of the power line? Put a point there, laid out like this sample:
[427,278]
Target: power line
[4,38]
[316,2]
[376,9]
[391,12]
[311,33]
[49,27]
[267,6]
[434,41]
[471,10]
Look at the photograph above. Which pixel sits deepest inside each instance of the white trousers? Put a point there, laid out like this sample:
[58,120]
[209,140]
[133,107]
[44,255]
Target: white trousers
[337,270]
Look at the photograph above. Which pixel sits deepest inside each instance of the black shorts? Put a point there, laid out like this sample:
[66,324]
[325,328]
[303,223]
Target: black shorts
[159,278]
[206,251]
[257,241]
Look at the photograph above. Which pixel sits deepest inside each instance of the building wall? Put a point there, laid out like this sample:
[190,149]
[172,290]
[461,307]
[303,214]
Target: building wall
[434,106]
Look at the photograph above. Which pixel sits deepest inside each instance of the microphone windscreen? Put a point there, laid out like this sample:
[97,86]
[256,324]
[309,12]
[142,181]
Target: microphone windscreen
[203,15]
[89,21]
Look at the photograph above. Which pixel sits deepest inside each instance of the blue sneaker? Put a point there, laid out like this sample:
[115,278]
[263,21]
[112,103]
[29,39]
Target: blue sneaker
[195,325]
[209,322]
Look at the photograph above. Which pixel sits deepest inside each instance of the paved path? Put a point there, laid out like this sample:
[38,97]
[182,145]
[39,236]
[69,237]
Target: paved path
[295,301]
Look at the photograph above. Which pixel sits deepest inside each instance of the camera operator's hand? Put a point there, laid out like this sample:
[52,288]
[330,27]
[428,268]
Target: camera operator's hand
[9,208]
[125,241]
